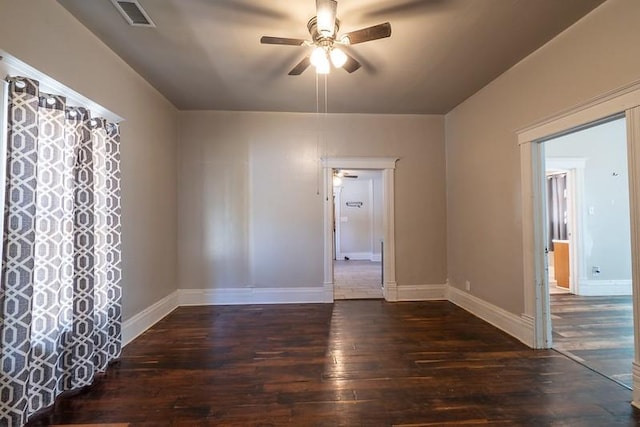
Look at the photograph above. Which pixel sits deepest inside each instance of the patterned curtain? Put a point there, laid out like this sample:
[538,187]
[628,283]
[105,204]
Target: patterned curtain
[60,295]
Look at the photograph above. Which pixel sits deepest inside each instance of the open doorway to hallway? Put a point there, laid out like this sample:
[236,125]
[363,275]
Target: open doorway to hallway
[358,233]
[589,248]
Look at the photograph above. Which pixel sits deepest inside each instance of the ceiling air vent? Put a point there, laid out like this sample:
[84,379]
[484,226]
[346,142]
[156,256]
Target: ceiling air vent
[133,13]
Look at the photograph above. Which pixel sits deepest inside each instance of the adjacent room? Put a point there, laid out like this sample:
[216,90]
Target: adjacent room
[351,212]
[589,243]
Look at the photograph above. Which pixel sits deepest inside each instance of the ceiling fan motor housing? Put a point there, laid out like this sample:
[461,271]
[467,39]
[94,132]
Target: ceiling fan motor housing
[319,38]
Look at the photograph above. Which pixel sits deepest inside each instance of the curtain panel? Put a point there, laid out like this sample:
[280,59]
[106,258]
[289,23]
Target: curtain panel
[557,208]
[60,294]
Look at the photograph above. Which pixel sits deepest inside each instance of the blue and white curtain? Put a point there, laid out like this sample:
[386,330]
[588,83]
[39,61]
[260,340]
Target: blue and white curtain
[60,295]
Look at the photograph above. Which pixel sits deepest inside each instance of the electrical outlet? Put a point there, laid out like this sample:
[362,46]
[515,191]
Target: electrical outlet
[595,270]
[467,285]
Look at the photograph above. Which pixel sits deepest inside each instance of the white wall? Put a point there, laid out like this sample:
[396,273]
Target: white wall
[249,211]
[357,232]
[44,35]
[606,232]
[484,234]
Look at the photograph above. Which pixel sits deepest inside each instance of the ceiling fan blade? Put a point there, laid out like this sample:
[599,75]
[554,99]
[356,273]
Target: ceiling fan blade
[302,65]
[281,40]
[376,32]
[351,65]
[326,16]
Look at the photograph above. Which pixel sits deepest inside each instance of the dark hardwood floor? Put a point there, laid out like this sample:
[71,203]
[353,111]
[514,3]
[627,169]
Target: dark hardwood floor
[352,363]
[597,331]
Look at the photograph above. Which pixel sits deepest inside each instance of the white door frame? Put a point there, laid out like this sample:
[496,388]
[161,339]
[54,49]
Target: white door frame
[387,165]
[337,214]
[575,186]
[625,100]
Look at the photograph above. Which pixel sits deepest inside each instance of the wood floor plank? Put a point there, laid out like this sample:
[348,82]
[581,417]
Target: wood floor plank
[352,363]
[597,331]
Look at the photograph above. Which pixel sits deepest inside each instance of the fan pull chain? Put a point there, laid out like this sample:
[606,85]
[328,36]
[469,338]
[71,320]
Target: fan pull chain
[326,113]
[318,153]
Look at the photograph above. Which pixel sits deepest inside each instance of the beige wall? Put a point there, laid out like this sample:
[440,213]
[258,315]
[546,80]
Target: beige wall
[250,215]
[45,36]
[484,234]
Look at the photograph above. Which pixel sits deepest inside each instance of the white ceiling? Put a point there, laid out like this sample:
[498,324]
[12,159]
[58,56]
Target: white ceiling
[206,54]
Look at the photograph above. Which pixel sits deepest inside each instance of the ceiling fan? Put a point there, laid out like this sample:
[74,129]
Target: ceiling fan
[323,29]
[339,174]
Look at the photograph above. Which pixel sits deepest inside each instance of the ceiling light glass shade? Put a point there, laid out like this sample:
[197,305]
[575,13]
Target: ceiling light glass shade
[318,56]
[323,67]
[326,16]
[320,60]
[338,57]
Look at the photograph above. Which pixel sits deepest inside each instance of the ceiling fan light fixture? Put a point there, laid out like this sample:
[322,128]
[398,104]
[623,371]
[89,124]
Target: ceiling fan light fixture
[326,16]
[338,57]
[320,60]
[345,40]
[318,55]
[324,67]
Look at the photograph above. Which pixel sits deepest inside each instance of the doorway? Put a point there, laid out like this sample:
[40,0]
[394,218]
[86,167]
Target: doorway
[622,102]
[565,218]
[385,166]
[589,266]
[358,234]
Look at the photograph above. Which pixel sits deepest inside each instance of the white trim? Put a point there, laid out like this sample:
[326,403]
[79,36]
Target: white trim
[387,164]
[537,303]
[328,292]
[422,292]
[633,158]
[622,100]
[148,317]
[359,162]
[390,290]
[372,220]
[389,233]
[597,108]
[48,84]
[376,257]
[356,256]
[593,288]
[245,296]
[337,214]
[520,328]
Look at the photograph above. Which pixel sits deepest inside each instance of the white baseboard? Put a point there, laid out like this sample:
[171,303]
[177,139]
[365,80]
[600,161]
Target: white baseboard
[239,296]
[142,321]
[328,292]
[518,327]
[635,378]
[390,291]
[422,292]
[595,288]
[356,256]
